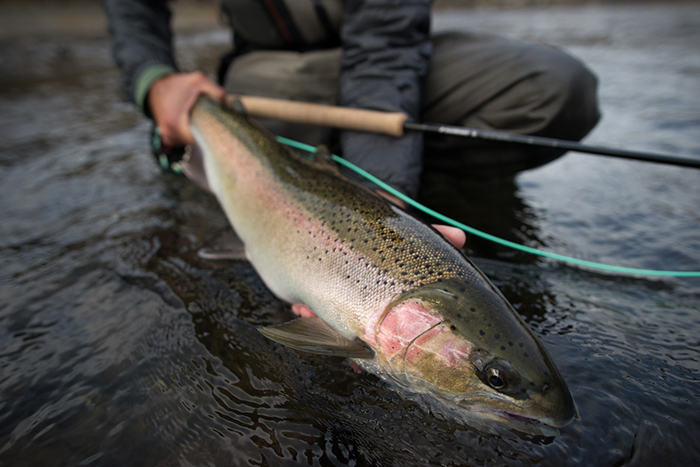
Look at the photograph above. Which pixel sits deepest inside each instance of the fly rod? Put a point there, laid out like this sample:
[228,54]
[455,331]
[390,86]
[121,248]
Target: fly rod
[396,124]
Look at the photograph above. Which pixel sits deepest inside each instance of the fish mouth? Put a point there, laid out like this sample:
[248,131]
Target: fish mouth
[517,419]
[510,417]
[489,420]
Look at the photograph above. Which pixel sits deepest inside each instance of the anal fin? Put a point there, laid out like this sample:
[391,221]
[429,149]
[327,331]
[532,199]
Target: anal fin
[225,245]
[215,255]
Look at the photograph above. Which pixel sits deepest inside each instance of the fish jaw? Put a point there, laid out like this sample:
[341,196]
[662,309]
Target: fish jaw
[430,339]
[508,412]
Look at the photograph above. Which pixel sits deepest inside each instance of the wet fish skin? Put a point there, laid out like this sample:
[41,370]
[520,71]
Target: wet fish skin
[376,277]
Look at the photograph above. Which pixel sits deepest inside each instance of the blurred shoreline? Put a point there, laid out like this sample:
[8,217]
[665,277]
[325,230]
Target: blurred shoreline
[85,18]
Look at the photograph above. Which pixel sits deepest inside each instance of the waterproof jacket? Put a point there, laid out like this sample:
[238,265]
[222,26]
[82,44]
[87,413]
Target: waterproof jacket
[386,54]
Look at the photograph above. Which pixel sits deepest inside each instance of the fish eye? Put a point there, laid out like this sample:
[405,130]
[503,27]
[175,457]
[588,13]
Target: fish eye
[496,378]
[500,376]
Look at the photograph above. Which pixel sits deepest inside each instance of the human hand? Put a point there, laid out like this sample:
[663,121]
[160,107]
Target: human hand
[455,236]
[171,99]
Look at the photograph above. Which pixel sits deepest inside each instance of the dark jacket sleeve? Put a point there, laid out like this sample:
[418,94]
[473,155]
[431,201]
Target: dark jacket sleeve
[386,54]
[141,43]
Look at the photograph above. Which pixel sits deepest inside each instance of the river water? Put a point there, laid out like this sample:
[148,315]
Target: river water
[121,347]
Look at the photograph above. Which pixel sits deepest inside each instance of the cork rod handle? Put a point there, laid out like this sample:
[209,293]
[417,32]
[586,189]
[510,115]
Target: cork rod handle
[345,118]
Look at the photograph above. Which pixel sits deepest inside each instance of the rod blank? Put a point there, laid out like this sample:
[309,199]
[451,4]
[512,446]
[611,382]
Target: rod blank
[542,141]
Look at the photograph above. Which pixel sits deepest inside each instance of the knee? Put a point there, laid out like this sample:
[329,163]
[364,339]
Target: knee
[573,90]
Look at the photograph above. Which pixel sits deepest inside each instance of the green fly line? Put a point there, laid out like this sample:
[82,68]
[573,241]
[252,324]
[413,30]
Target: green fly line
[492,238]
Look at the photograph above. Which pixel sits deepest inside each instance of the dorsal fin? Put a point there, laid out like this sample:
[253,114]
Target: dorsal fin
[323,158]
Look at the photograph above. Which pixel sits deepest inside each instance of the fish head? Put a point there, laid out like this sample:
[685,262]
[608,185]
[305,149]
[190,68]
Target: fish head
[468,347]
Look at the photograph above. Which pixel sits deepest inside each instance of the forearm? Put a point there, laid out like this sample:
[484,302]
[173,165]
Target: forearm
[141,44]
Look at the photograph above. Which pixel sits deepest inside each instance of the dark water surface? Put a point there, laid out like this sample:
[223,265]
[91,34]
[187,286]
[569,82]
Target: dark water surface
[120,347]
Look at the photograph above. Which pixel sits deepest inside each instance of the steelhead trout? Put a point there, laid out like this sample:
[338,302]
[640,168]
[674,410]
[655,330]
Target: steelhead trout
[388,290]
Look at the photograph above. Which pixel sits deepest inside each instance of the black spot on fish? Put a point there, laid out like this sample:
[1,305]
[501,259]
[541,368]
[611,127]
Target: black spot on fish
[453,327]
[503,347]
[521,344]
[472,309]
[459,315]
[525,355]
[510,343]
[497,336]
[481,332]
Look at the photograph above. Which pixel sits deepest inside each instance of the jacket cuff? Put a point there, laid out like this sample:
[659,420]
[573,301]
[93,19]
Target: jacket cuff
[145,80]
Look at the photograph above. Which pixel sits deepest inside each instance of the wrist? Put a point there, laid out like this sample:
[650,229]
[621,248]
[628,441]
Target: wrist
[147,77]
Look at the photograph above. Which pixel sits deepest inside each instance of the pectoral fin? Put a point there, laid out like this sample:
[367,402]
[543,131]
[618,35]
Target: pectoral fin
[313,335]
